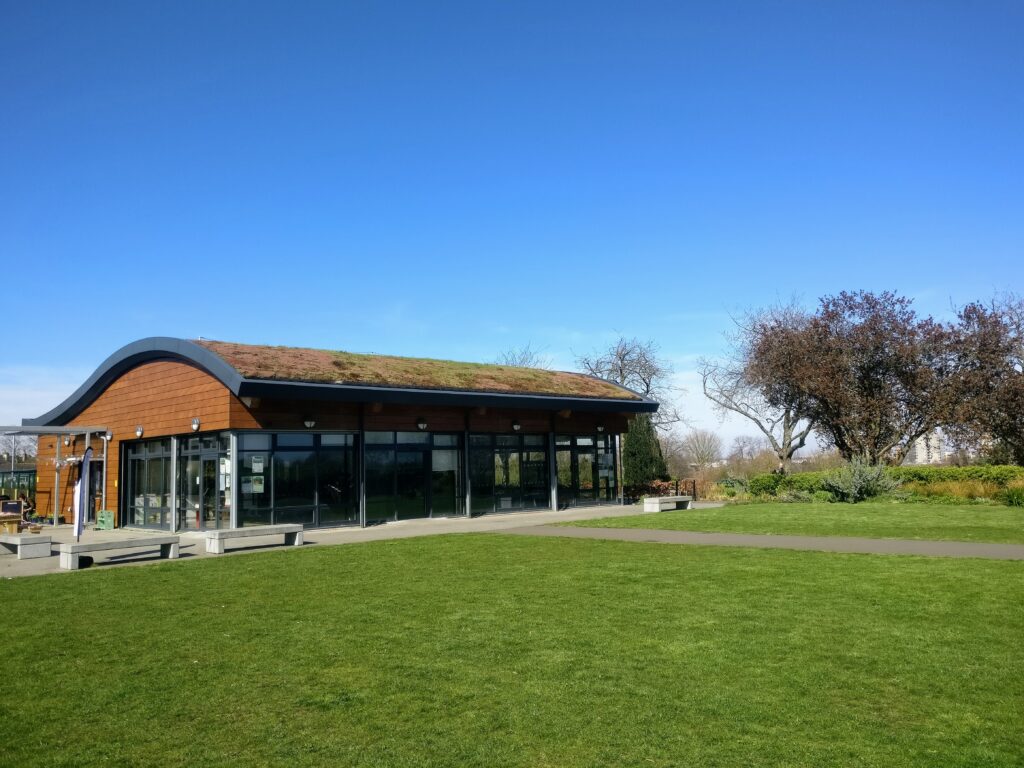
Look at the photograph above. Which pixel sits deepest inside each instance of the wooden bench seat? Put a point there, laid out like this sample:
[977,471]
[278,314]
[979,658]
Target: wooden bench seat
[26,545]
[215,539]
[663,503]
[69,553]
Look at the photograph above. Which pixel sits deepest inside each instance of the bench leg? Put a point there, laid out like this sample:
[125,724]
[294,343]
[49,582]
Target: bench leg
[36,549]
[169,551]
[69,561]
[293,539]
[215,546]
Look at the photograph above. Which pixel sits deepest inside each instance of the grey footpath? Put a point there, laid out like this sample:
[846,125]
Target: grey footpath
[193,544]
[771,541]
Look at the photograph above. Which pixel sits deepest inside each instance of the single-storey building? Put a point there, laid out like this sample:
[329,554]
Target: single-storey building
[210,434]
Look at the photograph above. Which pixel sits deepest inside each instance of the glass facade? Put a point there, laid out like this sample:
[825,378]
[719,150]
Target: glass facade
[148,484]
[314,478]
[413,475]
[585,465]
[204,482]
[508,472]
[298,477]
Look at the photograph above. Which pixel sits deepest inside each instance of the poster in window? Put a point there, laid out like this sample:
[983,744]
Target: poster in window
[257,484]
[257,464]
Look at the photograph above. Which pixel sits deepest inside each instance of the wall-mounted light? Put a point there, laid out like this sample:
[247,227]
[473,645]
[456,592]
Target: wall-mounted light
[421,424]
[516,426]
[195,424]
[67,440]
[138,430]
[600,427]
[309,423]
[109,436]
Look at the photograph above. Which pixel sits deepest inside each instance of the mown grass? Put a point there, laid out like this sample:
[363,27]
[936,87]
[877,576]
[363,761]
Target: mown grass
[883,520]
[487,650]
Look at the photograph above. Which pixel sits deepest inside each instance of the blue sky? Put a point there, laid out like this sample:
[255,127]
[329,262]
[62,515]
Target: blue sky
[452,179]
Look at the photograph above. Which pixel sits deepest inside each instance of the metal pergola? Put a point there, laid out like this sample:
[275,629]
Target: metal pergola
[87,432]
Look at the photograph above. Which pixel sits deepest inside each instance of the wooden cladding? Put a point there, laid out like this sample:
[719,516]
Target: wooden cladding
[163,397]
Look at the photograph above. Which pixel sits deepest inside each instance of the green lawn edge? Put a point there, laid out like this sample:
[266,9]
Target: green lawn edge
[882,520]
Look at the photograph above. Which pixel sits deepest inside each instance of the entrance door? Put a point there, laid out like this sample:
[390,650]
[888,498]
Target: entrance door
[205,493]
[411,472]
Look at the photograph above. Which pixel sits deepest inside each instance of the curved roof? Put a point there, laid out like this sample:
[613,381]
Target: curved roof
[299,373]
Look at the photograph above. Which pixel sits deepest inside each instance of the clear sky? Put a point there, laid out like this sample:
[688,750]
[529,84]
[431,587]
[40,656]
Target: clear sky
[452,179]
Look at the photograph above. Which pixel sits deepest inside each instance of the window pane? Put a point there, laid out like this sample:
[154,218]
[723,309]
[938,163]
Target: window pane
[380,484]
[507,479]
[446,440]
[481,440]
[411,484]
[294,479]
[295,440]
[338,489]
[445,483]
[337,439]
[563,440]
[379,438]
[254,492]
[414,437]
[254,442]
[481,474]
[538,440]
[508,441]
[587,441]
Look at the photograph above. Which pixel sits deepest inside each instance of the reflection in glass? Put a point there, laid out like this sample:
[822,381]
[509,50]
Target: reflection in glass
[410,485]
[338,487]
[444,483]
[380,484]
[294,486]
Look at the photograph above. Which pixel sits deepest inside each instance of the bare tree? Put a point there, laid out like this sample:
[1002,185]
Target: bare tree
[637,365]
[728,384]
[524,357]
[704,447]
[21,447]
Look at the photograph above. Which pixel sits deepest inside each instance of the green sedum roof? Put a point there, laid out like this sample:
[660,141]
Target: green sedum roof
[321,366]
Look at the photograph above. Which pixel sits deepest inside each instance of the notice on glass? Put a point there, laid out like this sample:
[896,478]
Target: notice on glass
[246,485]
[257,465]
[257,484]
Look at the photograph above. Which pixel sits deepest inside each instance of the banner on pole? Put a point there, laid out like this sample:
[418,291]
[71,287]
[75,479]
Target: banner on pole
[82,494]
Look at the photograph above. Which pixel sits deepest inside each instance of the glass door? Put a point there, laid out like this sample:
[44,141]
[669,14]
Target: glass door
[411,484]
[444,488]
[190,494]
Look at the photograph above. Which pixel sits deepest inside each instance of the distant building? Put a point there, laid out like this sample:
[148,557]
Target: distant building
[928,449]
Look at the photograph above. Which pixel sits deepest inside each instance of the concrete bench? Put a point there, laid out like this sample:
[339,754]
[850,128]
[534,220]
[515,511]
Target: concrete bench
[26,545]
[215,539]
[69,553]
[663,503]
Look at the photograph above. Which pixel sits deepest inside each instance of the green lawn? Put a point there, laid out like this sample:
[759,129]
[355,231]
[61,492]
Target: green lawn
[490,650]
[880,520]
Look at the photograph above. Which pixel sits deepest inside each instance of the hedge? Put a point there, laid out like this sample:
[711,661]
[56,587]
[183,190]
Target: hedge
[770,484]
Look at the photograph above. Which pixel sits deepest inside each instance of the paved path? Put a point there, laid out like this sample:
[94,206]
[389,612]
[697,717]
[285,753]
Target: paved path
[766,541]
[193,545]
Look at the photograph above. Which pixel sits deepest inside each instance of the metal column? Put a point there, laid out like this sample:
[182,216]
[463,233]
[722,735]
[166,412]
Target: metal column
[174,485]
[235,472]
[552,471]
[465,467]
[103,493]
[56,484]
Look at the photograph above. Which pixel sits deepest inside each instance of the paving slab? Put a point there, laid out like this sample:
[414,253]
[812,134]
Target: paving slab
[848,544]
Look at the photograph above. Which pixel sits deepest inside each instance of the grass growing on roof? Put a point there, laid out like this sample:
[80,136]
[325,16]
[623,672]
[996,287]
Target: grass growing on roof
[487,650]
[332,367]
[884,520]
